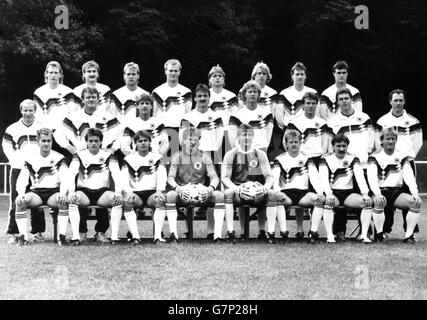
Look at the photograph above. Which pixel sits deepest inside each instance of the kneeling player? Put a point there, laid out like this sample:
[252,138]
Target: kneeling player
[387,172]
[337,171]
[93,167]
[46,169]
[247,177]
[144,181]
[193,181]
[292,173]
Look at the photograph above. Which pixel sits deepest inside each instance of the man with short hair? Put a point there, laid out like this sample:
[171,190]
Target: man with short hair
[90,76]
[93,167]
[409,141]
[338,170]
[192,180]
[247,178]
[388,170]
[123,100]
[47,171]
[328,105]
[19,138]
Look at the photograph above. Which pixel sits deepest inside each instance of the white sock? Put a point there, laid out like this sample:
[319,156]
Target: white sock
[281,218]
[271,219]
[21,221]
[411,221]
[328,220]
[365,219]
[379,218]
[218,213]
[210,221]
[172,216]
[158,219]
[62,221]
[262,218]
[315,218]
[73,212]
[229,216]
[116,217]
[130,217]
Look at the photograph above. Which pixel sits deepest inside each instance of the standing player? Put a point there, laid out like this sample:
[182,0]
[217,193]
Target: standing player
[337,172]
[144,121]
[123,100]
[291,98]
[409,140]
[192,180]
[19,138]
[328,106]
[93,167]
[247,178]
[387,171]
[90,76]
[293,171]
[211,135]
[144,181]
[357,126]
[48,173]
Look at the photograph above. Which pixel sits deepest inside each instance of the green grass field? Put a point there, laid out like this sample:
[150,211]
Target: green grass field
[202,270]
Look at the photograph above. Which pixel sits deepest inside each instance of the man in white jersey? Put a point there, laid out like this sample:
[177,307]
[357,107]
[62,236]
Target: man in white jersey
[192,180]
[47,171]
[261,120]
[145,121]
[123,100]
[388,170]
[93,167]
[328,106]
[292,172]
[211,135]
[409,140]
[337,172]
[21,137]
[357,126]
[90,76]
[144,180]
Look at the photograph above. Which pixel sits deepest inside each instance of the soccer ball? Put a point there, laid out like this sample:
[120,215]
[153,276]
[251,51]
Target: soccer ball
[251,188]
[194,193]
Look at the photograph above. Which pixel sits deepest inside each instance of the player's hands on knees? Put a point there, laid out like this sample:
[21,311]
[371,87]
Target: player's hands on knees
[280,197]
[417,200]
[159,197]
[320,198]
[330,200]
[380,201]
[179,190]
[244,193]
[117,199]
[74,198]
[20,201]
[367,201]
[61,199]
[129,198]
[260,192]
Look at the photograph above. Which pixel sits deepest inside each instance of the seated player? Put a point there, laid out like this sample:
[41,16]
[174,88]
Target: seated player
[192,180]
[47,171]
[247,179]
[293,171]
[337,171]
[145,121]
[144,183]
[388,171]
[93,168]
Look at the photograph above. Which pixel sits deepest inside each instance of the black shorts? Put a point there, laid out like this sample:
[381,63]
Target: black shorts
[295,195]
[93,195]
[391,194]
[143,195]
[44,193]
[342,194]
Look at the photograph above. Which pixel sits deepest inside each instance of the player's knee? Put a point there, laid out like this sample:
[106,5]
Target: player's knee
[229,196]
[218,197]
[62,206]
[159,203]
[127,206]
[328,207]
[171,196]
[271,196]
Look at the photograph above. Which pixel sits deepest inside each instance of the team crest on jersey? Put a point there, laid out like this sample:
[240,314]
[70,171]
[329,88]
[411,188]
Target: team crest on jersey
[152,126]
[150,162]
[52,162]
[316,125]
[359,119]
[178,93]
[406,123]
[345,163]
[397,160]
[259,116]
[210,119]
[301,163]
[224,98]
[101,159]
[197,165]
[104,119]
[253,163]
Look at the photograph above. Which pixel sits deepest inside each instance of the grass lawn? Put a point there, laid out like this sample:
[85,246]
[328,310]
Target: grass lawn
[202,270]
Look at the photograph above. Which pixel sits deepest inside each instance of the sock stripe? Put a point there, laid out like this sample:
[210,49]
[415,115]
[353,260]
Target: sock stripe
[63,213]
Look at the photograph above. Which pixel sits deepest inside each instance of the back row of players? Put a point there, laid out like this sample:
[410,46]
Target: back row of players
[218,116]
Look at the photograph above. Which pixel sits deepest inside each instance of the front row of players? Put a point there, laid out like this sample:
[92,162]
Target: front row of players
[247,177]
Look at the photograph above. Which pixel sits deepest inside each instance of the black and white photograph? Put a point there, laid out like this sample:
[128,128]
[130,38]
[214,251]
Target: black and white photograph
[227,153]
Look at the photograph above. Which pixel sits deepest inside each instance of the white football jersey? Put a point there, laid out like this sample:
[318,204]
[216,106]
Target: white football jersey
[223,103]
[122,103]
[328,108]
